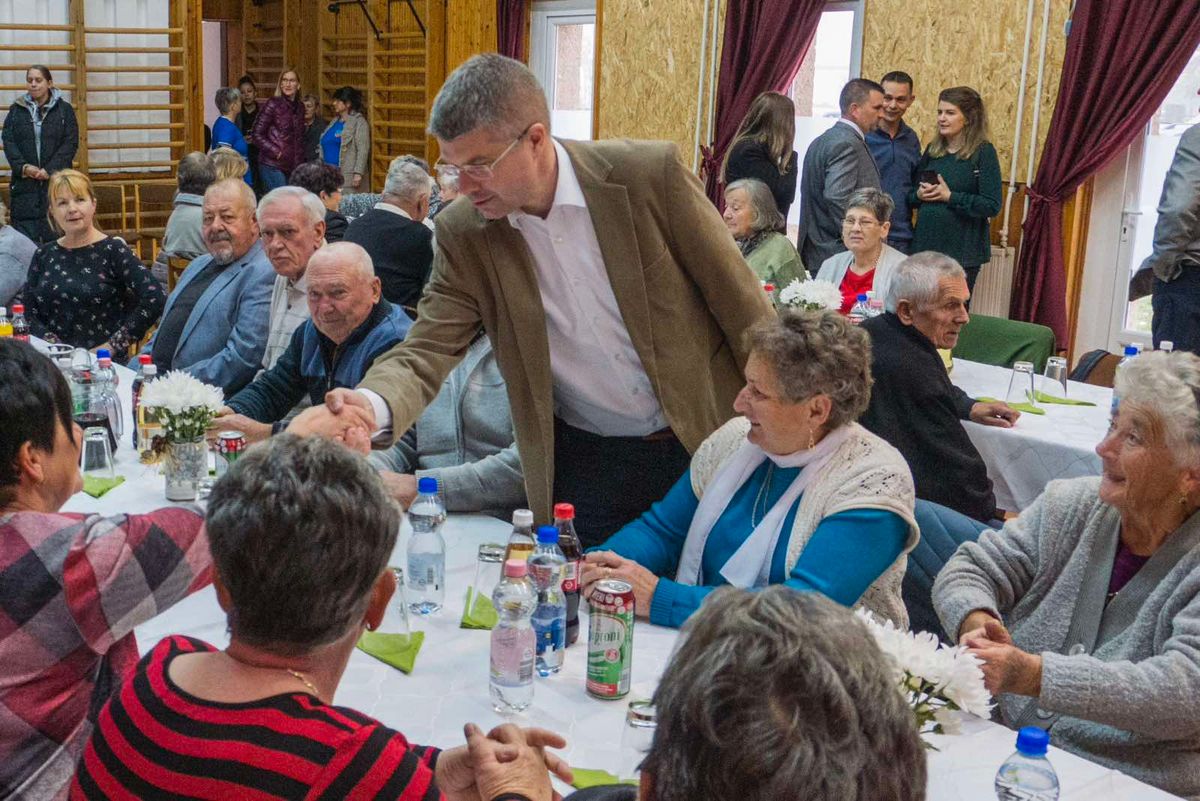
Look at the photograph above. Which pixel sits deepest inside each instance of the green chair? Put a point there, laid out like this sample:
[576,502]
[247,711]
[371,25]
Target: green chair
[994,340]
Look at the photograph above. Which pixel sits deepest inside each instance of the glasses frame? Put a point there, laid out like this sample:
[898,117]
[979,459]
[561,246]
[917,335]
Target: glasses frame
[478,172]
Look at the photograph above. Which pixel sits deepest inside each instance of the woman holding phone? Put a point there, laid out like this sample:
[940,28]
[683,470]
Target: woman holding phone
[958,184]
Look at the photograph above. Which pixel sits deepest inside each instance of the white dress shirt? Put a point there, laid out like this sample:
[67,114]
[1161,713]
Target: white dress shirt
[289,309]
[853,126]
[599,382]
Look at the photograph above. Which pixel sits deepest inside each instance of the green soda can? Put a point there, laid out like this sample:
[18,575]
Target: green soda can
[610,639]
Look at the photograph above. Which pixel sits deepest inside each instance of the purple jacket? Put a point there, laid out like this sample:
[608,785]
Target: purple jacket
[279,134]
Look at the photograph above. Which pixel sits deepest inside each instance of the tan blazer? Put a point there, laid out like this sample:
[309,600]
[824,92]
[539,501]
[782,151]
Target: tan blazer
[356,146]
[680,282]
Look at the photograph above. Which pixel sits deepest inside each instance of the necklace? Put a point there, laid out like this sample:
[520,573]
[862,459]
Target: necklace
[298,675]
[763,492]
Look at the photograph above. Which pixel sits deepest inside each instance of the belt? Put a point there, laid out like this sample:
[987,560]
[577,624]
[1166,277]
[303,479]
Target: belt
[662,435]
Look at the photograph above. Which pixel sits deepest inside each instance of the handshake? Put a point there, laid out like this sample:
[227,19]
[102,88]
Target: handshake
[346,416]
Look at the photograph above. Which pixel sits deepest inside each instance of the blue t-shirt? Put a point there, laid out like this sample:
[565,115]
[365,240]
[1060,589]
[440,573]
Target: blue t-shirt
[226,134]
[331,143]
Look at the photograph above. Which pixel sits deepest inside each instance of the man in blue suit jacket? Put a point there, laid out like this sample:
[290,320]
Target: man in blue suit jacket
[217,318]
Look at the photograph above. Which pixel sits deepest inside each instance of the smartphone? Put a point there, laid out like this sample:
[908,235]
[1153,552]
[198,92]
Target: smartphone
[928,177]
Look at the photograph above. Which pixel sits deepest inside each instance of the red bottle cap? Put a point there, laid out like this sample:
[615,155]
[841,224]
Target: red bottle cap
[564,511]
[145,358]
[18,308]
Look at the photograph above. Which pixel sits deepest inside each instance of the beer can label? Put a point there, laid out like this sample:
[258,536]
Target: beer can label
[610,649]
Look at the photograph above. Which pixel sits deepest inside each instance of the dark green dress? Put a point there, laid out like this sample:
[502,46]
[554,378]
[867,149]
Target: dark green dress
[959,227]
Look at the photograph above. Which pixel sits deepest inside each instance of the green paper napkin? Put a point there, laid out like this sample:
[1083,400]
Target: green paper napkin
[585,778]
[1042,397]
[1027,408]
[480,614]
[96,486]
[398,650]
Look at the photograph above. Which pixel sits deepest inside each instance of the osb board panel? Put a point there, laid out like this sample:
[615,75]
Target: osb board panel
[649,67]
[470,29]
[944,43]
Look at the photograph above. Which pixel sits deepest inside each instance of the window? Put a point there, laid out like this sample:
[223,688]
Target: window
[563,56]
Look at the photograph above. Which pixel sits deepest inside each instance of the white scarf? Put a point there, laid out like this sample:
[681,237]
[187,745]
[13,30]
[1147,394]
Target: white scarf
[750,565]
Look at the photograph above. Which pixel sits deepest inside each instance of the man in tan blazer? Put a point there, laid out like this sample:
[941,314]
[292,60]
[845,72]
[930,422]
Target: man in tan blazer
[614,297]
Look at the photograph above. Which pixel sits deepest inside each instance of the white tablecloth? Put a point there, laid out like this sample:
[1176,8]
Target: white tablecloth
[1060,444]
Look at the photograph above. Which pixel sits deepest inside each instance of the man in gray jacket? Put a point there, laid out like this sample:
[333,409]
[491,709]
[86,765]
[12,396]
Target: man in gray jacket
[836,165]
[465,440]
[1175,261]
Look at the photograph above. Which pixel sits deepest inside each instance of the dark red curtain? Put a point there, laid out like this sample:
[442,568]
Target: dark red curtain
[1123,56]
[510,28]
[765,41]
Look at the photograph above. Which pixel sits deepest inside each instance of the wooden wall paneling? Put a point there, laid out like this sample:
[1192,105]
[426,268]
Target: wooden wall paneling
[595,69]
[1076,214]
[301,41]
[188,15]
[264,21]
[235,50]
[224,10]
[79,39]
[435,66]
[471,29]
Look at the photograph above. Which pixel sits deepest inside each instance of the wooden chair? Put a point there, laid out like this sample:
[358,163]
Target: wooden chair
[113,214]
[175,267]
[152,207]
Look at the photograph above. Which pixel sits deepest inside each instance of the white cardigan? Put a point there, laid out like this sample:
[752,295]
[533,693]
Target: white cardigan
[834,269]
[864,473]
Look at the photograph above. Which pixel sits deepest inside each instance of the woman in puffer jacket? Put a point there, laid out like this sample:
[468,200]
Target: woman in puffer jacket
[279,132]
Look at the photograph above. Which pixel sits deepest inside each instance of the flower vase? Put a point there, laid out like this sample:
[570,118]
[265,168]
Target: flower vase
[185,465]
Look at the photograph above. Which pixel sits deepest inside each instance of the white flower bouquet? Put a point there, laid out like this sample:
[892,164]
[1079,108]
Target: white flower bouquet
[937,680]
[811,296]
[184,405]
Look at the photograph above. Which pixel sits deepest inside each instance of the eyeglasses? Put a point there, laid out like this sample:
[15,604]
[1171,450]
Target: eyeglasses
[478,172]
[864,222]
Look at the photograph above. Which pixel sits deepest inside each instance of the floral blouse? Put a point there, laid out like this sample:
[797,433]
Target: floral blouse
[91,295]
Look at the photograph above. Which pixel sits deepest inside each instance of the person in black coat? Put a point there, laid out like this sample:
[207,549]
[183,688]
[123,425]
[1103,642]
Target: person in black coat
[40,137]
[762,148]
[401,246]
[324,181]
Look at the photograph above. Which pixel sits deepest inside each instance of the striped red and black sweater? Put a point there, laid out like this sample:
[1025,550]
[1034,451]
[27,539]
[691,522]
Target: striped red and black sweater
[153,740]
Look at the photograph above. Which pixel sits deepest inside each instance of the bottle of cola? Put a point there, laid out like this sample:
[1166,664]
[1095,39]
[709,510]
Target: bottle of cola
[568,542]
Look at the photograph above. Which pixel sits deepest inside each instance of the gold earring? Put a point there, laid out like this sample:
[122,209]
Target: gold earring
[812,440]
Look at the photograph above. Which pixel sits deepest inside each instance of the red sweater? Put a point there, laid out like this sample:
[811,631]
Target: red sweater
[153,740]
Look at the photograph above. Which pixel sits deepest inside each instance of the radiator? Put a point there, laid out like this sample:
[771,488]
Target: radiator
[993,288]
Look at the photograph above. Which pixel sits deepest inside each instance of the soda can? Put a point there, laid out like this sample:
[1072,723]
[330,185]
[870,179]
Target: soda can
[230,446]
[610,639]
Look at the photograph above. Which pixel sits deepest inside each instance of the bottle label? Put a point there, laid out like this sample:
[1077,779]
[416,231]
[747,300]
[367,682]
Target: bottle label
[425,571]
[512,656]
[570,581]
[551,637]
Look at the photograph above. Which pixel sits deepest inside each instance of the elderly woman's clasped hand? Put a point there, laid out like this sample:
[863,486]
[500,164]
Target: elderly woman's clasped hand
[507,759]
[606,564]
[1006,668]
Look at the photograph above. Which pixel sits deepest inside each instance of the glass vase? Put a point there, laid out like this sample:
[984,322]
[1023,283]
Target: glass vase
[185,465]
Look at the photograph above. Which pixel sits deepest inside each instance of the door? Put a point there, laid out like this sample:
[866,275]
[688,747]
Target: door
[563,56]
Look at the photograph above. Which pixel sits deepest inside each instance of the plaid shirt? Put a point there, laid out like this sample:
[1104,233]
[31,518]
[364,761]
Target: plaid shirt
[289,309]
[72,589]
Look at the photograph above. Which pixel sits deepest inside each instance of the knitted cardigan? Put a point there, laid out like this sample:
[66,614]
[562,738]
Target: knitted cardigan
[864,473]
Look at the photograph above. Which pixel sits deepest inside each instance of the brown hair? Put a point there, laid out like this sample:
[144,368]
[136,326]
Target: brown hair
[42,68]
[975,132]
[772,121]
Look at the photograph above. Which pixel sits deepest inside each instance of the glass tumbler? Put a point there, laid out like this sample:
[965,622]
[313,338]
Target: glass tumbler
[1054,380]
[636,737]
[488,566]
[96,459]
[1020,384]
[400,601]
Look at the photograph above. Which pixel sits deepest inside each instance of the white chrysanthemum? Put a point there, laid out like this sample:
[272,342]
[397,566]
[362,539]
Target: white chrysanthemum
[811,295]
[179,392]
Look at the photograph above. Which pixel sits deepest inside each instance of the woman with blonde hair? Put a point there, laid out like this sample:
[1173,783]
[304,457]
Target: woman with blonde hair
[762,148]
[87,288]
[228,163]
[958,184]
[279,132]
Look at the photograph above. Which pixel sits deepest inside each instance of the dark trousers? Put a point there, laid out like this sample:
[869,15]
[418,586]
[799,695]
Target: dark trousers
[1176,306]
[607,792]
[612,480]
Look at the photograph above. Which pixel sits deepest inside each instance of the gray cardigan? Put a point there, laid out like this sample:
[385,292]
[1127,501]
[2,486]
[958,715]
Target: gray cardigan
[464,439]
[1131,703]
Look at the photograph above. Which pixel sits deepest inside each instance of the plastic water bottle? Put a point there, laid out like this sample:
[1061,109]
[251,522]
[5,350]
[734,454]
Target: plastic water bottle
[568,541]
[19,324]
[512,656]
[107,379]
[426,550]
[874,305]
[859,311]
[135,393]
[1027,775]
[520,542]
[1131,352]
[6,329]
[547,566]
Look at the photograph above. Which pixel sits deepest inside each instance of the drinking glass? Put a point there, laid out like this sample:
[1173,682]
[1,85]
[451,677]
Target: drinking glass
[636,737]
[1020,385]
[487,570]
[97,454]
[401,601]
[1055,378]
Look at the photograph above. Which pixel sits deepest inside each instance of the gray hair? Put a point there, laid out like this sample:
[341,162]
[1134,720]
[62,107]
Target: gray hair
[225,98]
[488,91]
[347,254]
[238,187]
[195,173]
[448,183]
[762,204]
[406,180]
[818,353]
[300,530]
[314,209]
[3,213]
[916,279]
[876,201]
[781,694]
[1167,386]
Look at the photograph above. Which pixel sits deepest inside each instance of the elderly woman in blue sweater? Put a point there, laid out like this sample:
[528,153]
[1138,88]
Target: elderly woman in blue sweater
[791,492]
[1086,609]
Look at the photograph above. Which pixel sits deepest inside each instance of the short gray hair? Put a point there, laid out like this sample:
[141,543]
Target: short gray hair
[488,91]
[818,353]
[314,209]
[448,182]
[781,694]
[762,204]
[195,173]
[225,98]
[350,254]
[300,530]
[238,187]
[406,180]
[1167,386]
[876,201]
[916,279]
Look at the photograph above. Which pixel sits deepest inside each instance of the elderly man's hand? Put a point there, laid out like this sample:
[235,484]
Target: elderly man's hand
[995,413]
[1006,668]
[229,420]
[975,625]
[507,760]
[606,564]
[343,409]
[401,486]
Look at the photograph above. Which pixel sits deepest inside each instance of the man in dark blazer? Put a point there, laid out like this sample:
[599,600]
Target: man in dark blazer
[401,246]
[836,165]
[613,295]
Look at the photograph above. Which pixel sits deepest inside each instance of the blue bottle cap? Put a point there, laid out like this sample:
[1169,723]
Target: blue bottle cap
[547,534]
[103,353]
[1033,741]
[427,485]
[1131,350]
[862,298]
